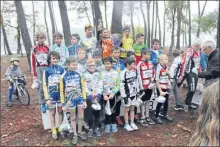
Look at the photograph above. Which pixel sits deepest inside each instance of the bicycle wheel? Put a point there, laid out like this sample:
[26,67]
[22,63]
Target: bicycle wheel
[23,94]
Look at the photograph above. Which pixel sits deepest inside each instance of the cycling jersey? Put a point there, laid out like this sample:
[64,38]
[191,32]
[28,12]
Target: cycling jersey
[145,72]
[175,68]
[106,45]
[51,82]
[127,43]
[162,77]
[73,49]
[111,81]
[118,65]
[89,43]
[137,50]
[64,53]
[39,57]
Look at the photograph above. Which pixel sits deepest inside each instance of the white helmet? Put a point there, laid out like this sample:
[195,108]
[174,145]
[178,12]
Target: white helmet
[160,99]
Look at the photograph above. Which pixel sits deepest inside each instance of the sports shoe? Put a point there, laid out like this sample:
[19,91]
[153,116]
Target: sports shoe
[9,104]
[159,121]
[97,132]
[75,140]
[134,126]
[186,108]
[128,127]
[107,128]
[43,108]
[119,121]
[193,106]
[143,122]
[86,126]
[82,136]
[178,107]
[114,128]
[90,133]
[54,136]
[168,118]
[149,121]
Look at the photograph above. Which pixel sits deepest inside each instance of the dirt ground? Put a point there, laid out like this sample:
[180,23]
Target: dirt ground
[22,125]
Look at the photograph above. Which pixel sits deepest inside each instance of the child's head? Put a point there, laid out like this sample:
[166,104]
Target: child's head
[163,59]
[115,52]
[58,38]
[97,55]
[108,63]
[145,53]
[91,65]
[155,44]
[53,57]
[126,31]
[40,37]
[81,53]
[71,63]
[140,38]
[105,33]
[75,38]
[131,54]
[88,30]
[14,61]
[176,53]
[130,63]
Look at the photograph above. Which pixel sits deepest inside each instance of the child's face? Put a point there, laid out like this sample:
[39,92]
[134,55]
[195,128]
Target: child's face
[97,59]
[116,54]
[81,54]
[72,66]
[91,67]
[58,40]
[127,32]
[133,56]
[146,56]
[108,65]
[140,40]
[53,60]
[74,40]
[164,61]
[105,34]
[41,40]
[16,63]
[89,32]
[131,67]
[156,45]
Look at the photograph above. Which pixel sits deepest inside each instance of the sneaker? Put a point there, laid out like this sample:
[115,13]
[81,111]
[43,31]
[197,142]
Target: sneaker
[143,122]
[193,106]
[102,125]
[178,107]
[159,121]
[90,133]
[150,121]
[97,132]
[54,136]
[168,118]
[75,140]
[186,108]
[43,108]
[114,128]
[128,127]
[119,121]
[86,126]
[107,128]
[134,126]
[82,136]
[9,104]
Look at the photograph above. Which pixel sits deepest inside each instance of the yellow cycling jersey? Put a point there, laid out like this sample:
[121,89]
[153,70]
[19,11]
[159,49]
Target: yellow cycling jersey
[127,43]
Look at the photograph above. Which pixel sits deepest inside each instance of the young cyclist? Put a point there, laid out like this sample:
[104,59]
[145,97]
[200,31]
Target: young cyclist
[163,85]
[60,48]
[145,72]
[73,96]
[106,43]
[81,59]
[138,46]
[73,49]
[13,71]
[38,64]
[129,89]
[97,55]
[51,83]
[94,89]
[111,84]
[155,52]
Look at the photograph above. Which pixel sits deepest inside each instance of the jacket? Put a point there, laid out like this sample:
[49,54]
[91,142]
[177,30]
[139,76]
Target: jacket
[106,47]
[175,69]
[73,49]
[127,43]
[12,72]
[137,48]
[64,53]
[154,57]
[162,77]
[203,61]
[118,65]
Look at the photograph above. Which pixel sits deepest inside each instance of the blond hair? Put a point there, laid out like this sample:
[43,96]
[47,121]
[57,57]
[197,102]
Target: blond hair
[162,56]
[90,60]
[207,128]
[38,34]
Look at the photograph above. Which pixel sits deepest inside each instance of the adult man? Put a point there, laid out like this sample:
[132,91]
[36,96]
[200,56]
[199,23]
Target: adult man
[212,72]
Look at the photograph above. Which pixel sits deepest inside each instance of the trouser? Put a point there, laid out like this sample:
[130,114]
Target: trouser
[165,104]
[176,92]
[102,111]
[111,119]
[118,106]
[40,92]
[191,79]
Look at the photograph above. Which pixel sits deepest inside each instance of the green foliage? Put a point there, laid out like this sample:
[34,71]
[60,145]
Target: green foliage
[138,29]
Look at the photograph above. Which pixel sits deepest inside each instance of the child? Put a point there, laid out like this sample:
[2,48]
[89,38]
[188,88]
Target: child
[72,92]
[51,82]
[138,46]
[163,84]
[174,76]
[38,64]
[97,55]
[145,72]
[60,48]
[129,89]
[94,87]
[81,58]
[75,45]
[155,52]
[106,43]
[111,83]
[13,71]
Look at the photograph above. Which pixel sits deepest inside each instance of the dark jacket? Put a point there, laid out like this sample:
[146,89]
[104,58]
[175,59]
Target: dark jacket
[212,72]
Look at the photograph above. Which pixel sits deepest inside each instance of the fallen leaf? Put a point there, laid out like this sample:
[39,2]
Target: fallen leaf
[10,124]
[148,135]
[5,135]
[174,136]
[101,143]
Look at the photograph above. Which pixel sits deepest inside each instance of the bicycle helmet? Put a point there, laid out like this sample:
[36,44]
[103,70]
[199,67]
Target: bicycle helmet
[160,99]
[14,59]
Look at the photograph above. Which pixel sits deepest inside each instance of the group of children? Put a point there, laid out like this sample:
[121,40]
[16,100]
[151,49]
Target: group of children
[90,79]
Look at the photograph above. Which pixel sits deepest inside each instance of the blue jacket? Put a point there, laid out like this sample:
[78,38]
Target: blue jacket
[203,61]
[154,58]
[73,49]
[118,65]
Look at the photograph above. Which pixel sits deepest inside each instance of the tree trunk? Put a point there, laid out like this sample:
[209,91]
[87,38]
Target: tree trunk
[97,11]
[6,41]
[87,15]
[190,30]
[116,26]
[179,11]
[155,33]
[218,28]
[185,29]
[24,30]
[19,50]
[45,20]
[158,18]
[93,18]
[145,24]
[173,28]
[148,21]
[55,24]
[200,15]
[34,23]
[152,28]
[65,22]
[132,23]
[164,24]
[106,20]
[51,18]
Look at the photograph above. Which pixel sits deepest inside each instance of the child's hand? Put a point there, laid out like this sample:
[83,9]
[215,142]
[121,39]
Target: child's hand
[106,98]
[48,102]
[111,96]
[64,108]
[84,105]
[162,93]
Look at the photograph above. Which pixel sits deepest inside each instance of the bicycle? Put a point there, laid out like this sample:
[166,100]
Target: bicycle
[21,91]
